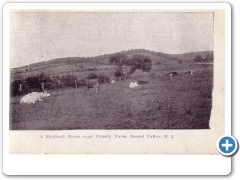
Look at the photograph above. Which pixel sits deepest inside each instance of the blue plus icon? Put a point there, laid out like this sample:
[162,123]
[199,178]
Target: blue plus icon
[227,145]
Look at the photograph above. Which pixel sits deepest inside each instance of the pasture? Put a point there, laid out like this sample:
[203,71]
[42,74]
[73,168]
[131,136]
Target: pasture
[178,102]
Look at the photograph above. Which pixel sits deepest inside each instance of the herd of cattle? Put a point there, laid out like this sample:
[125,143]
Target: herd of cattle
[33,97]
[187,73]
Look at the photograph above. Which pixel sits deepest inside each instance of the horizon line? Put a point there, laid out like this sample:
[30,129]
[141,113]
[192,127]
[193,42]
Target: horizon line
[87,57]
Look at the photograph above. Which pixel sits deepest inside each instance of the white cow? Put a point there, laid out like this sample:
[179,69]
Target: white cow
[33,97]
[133,85]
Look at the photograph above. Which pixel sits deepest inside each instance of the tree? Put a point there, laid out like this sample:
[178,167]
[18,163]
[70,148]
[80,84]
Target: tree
[141,62]
[208,57]
[118,73]
[198,58]
[137,61]
[118,59]
[44,78]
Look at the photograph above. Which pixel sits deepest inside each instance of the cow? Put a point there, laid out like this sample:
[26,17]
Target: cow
[173,74]
[133,85]
[93,83]
[189,73]
[113,82]
[33,97]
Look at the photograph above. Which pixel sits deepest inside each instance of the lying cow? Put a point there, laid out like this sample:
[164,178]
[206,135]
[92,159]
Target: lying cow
[33,97]
[189,73]
[133,85]
[173,74]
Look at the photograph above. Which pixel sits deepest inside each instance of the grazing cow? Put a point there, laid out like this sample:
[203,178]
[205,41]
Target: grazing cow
[113,82]
[173,74]
[93,83]
[189,73]
[33,97]
[133,85]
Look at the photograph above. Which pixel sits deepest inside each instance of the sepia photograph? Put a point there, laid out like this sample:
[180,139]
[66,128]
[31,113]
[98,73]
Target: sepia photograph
[75,70]
[88,87]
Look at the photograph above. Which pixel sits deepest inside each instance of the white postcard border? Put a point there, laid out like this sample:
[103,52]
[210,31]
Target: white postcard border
[16,164]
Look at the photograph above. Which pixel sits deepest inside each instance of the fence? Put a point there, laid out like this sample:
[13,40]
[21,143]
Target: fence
[44,82]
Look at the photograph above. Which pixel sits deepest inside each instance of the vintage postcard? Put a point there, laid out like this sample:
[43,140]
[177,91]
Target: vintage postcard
[88,87]
[116,81]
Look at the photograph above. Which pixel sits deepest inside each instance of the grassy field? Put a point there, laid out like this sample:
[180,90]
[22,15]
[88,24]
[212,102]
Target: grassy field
[180,102]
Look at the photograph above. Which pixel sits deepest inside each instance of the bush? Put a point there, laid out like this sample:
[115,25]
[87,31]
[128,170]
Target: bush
[82,83]
[118,73]
[198,58]
[50,85]
[118,59]
[68,80]
[14,88]
[137,61]
[208,57]
[30,84]
[103,79]
[33,83]
[92,76]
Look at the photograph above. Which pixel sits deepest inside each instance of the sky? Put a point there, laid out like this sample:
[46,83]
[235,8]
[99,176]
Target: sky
[42,36]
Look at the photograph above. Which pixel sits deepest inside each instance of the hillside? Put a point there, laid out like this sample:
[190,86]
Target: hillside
[84,64]
[190,56]
[160,101]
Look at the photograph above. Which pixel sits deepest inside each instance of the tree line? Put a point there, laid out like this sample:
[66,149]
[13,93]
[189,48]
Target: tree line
[125,65]
[199,58]
[34,83]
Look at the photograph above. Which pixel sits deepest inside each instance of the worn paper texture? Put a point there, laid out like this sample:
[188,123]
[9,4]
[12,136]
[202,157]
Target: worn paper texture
[125,141]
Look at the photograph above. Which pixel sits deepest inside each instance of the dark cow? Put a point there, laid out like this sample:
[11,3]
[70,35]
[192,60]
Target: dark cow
[173,74]
[189,73]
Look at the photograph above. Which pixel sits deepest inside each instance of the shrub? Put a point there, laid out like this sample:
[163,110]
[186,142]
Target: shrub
[14,88]
[50,85]
[103,79]
[82,83]
[92,76]
[118,73]
[68,80]
[198,58]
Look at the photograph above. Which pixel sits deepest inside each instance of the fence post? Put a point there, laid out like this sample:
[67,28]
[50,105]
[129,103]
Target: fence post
[75,82]
[97,87]
[42,86]
[20,87]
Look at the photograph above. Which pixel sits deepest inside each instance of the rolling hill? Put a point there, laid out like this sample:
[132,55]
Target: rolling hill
[100,63]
